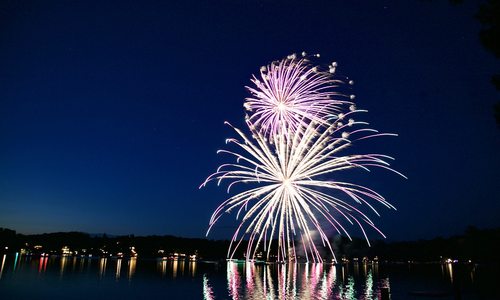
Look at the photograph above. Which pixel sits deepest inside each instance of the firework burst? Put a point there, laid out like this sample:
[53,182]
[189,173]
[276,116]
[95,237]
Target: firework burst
[291,201]
[300,128]
[292,92]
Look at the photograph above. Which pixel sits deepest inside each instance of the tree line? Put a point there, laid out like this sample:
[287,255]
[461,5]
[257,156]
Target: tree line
[478,245]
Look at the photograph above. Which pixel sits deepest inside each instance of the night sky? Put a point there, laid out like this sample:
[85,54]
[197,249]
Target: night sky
[111,112]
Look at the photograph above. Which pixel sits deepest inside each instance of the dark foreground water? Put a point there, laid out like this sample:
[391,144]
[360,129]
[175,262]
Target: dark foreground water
[54,277]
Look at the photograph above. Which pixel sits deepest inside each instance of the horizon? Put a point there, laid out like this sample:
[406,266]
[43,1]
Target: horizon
[97,234]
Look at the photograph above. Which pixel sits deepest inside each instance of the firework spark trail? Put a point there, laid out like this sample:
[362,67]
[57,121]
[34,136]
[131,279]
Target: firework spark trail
[287,201]
[291,93]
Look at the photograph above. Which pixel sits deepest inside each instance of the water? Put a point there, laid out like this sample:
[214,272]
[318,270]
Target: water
[25,277]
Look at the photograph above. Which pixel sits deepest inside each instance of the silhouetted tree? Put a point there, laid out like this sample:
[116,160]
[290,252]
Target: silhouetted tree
[489,16]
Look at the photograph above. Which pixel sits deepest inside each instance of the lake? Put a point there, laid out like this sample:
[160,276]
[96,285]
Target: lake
[54,277]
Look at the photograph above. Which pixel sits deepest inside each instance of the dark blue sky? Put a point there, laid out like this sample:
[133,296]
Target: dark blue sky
[111,111]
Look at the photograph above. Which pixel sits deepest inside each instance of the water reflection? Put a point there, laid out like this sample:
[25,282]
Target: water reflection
[103,261]
[118,268]
[3,264]
[208,293]
[131,267]
[243,280]
[42,266]
[174,268]
[182,266]
[15,261]
[64,262]
[233,280]
[82,264]
[449,271]
[163,267]
[472,271]
[192,268]
[369,286]
[73,264]
[282,281]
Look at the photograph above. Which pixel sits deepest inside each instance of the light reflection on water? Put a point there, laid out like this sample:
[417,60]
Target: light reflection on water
[130,278]
[295,281]
[118,268]
[208,293]
[3,264]
[132,262]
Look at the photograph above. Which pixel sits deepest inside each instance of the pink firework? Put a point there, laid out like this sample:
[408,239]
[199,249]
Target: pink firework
[292,93]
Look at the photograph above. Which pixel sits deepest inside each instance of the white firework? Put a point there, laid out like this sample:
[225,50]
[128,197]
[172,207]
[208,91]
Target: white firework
[294,196]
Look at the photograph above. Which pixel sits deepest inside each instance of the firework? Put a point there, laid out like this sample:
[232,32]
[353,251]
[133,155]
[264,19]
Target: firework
[300,128]
[292,92]
[290,200]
